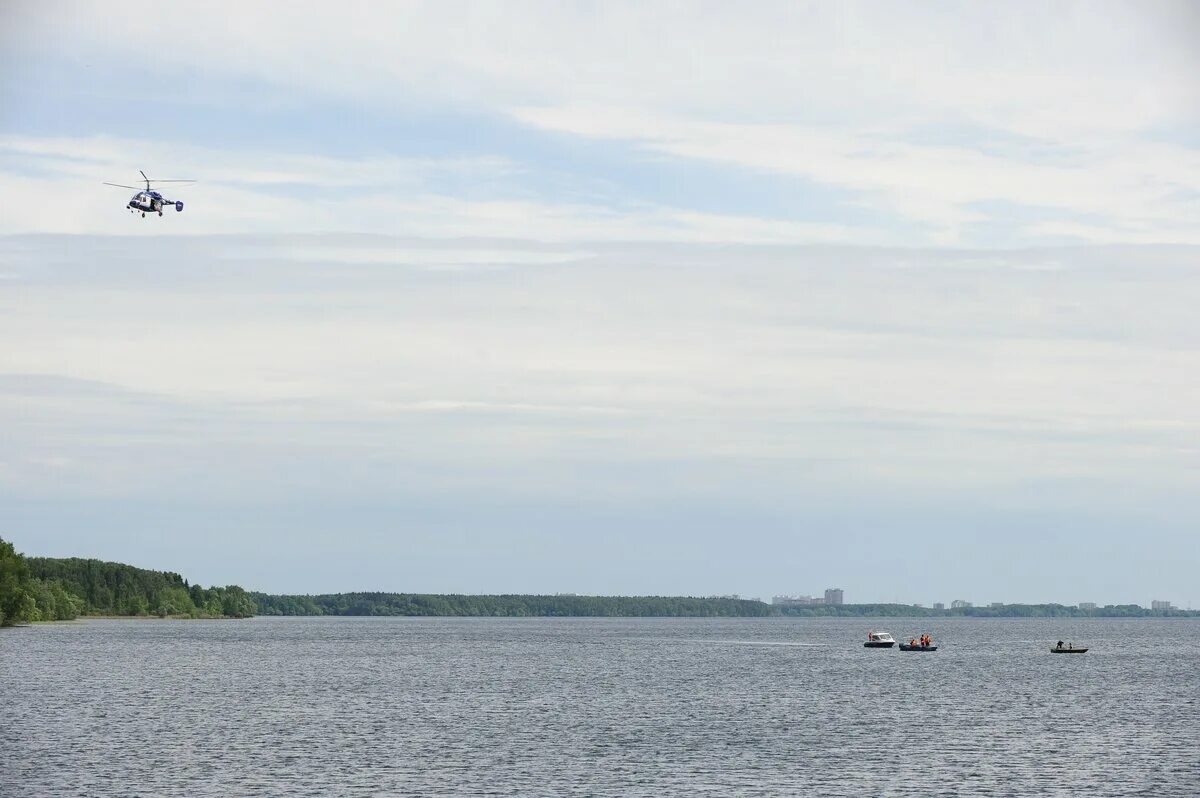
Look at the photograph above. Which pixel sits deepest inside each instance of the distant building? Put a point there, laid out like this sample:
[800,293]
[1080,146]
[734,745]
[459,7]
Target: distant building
[959,604]
[996,605]
[832,596]
[795,601]
[1087,605]
[1161,605]
[939,605]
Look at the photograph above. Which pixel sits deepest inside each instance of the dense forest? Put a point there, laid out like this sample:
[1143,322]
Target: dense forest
[507,605]
[47,589]
[24,597]
[109,588]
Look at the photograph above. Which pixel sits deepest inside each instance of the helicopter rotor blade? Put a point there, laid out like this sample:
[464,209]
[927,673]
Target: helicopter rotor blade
[118,185]
[172,181]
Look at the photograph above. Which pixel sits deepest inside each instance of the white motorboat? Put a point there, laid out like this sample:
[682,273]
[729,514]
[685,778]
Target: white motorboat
[879,640]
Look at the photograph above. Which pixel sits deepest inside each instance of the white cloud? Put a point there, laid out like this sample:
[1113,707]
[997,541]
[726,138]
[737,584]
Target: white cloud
[1042,69]
[897,367]
[1061,109]
[1135,187]
[383,194]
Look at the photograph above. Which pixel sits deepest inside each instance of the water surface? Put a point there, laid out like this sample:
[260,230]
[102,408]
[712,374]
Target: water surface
[598,707]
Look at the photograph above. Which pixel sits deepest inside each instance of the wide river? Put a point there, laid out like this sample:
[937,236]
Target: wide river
[597,707]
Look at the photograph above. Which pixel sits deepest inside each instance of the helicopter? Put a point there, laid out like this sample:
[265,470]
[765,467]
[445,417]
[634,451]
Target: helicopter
[149,201]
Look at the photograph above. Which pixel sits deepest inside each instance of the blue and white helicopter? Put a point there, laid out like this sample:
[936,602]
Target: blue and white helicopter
[149,201]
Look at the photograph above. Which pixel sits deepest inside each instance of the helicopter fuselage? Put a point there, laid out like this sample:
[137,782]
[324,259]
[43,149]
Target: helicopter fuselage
[152,202]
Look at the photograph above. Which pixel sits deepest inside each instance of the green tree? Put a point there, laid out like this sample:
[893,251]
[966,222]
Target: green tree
[109,588]
[18,603]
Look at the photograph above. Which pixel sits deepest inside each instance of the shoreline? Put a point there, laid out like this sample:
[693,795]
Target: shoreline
[771,618]
[879,618]
[83,618]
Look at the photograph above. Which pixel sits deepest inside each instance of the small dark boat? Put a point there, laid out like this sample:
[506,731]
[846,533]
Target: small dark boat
[906,647]
[1057,650]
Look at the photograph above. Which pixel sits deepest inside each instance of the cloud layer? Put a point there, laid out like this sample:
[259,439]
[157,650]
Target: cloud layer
[859,122]
[779,386]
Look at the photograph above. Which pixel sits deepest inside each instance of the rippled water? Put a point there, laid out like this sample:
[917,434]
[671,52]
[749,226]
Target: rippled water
[606,707]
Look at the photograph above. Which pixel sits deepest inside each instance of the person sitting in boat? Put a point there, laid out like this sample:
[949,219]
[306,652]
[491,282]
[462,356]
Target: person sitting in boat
[1059,644]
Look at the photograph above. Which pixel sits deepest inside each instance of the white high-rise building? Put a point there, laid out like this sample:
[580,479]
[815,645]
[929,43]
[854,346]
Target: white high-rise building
[833,595]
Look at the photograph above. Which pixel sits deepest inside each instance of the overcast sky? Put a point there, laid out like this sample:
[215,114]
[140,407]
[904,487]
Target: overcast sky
[642,298]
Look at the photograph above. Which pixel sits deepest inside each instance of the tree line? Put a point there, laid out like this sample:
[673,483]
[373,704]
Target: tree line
[52,589]
[511,605]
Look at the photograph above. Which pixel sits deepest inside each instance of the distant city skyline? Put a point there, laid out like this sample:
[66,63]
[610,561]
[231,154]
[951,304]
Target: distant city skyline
[804,600]
[832,596]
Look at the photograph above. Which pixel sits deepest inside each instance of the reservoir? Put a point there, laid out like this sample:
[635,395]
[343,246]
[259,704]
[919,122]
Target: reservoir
[598,707]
